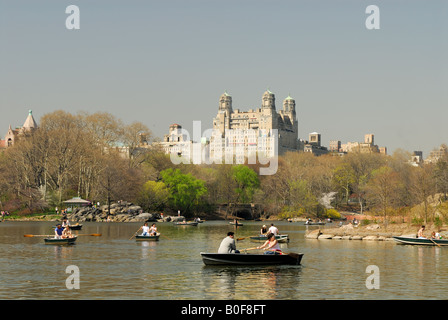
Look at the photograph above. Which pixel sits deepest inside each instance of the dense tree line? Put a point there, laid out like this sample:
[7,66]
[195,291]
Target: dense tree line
[97,157]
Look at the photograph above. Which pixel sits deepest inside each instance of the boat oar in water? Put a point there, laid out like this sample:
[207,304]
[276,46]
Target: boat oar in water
[248,249]
[52,235]
[434,242]
[291,254]
[135,233]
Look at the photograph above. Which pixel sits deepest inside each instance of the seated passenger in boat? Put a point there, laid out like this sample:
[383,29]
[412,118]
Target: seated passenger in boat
[271,246]
[228,244]
[67,233]
[420,233]
[153,230]
[263,230]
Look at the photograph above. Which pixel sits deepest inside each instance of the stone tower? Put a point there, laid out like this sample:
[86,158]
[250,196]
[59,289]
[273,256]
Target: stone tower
[268,100]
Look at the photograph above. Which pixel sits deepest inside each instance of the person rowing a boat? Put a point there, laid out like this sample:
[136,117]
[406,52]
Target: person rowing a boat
[145,229]
[228,244]
[271,246]
[273,229]
[58,231]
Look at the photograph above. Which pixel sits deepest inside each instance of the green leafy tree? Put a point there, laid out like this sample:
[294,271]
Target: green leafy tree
[247,182]
[154,195]
[185,190]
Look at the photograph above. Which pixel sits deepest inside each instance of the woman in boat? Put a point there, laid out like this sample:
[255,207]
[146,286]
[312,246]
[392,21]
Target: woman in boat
[65,222]
[263,230]
[67,233]
[153,230]
[271,246]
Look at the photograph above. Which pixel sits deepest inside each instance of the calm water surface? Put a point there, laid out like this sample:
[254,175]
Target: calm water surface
[114,267]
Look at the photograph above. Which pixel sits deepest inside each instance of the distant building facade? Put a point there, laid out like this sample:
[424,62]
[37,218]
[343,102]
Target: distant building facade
[368,146]
[314,145]
[260,130]
[437,154]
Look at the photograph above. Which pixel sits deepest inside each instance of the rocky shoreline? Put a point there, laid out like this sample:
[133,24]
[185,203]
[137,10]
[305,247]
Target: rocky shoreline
[119,212]
[374,232]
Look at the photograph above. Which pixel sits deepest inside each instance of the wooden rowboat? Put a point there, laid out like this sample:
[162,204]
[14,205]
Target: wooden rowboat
[250,259]
[194,224]
[148,238]
[421,241]
[76,227]
[236,224]
[280,238]
[314,223]
[60,241]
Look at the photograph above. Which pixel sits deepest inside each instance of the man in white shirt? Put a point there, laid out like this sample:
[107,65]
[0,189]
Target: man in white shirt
[273,230]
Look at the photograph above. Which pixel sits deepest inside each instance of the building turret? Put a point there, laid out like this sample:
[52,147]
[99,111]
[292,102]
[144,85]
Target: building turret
[225,102]
[268,100]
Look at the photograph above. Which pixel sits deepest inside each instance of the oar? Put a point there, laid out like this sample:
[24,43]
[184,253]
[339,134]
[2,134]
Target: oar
[292,255]
[52,235]
[249,249]
[135,233]
[238,239]
[434,242]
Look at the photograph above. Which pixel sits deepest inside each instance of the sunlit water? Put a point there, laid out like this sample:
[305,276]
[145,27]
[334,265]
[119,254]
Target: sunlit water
[114,267]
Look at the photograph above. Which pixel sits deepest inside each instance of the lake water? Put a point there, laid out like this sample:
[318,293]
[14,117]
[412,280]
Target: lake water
[114,267]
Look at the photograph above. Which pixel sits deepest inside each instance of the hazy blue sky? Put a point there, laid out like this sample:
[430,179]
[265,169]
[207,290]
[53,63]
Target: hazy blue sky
[164,62]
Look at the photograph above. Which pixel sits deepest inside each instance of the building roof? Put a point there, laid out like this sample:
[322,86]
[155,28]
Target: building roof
[77,200]
[30,123]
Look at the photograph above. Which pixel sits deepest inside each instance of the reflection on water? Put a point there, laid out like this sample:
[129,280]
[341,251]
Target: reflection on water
[114,267]
[245,282]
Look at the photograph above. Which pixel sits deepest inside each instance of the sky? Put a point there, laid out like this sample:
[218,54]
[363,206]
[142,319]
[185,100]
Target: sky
[165,62]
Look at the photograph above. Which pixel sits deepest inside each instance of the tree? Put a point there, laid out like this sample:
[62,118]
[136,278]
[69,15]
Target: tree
[382,189]
[185,190]
[441,176]
[344,178]
[154,195]
[246,183]
[422,187]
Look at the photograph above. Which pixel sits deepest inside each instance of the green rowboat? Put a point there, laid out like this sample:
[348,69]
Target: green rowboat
[283,238]
[148,238]
[60,241]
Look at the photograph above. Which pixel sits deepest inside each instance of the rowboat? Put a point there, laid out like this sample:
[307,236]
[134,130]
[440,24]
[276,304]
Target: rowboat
[148,238]
[314,223]
[185,224]
[283,238]
[250,259]
[236,224]
[76,227]
[421,241]
[60,241]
